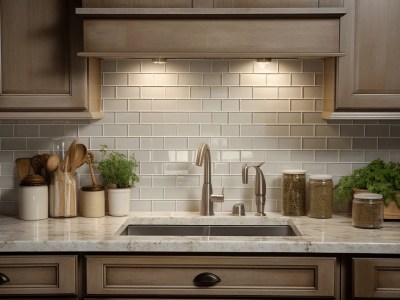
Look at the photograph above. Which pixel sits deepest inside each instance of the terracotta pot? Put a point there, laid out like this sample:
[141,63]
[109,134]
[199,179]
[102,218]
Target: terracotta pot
[390,212]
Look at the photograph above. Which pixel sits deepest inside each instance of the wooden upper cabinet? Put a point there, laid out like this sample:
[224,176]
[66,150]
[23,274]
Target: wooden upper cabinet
[40,69]
[368,76]
[212,3]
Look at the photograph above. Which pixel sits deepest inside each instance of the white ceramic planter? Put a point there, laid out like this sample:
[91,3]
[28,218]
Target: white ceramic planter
[118,202]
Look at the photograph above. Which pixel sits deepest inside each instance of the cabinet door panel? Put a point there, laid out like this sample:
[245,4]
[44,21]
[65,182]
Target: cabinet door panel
[39,275]
[369,74]
[377,278]
[40,69]
[240,276]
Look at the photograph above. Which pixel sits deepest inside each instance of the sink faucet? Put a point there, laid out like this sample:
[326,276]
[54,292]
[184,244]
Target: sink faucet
[207,196]
[259,188]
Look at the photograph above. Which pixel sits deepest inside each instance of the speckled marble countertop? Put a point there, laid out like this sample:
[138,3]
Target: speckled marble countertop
[335,235]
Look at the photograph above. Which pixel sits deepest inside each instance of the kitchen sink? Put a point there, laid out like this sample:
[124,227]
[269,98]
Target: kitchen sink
[210,230]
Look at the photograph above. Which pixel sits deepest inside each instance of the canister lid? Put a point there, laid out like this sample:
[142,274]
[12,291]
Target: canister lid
[367,196]
[33,180]
[321,177]
[294,171]
[93,188]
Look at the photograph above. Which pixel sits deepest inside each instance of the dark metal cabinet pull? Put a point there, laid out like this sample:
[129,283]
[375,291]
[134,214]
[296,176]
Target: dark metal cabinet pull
[206,279]
[4,278]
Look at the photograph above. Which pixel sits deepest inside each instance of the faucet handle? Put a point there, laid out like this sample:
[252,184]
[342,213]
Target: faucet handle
[218,197]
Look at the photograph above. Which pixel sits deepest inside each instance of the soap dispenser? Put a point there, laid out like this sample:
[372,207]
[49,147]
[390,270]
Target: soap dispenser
[259,188]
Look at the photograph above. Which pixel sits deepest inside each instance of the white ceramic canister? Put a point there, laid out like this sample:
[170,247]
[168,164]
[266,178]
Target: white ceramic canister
[92,201]
[118,202]
[33,197]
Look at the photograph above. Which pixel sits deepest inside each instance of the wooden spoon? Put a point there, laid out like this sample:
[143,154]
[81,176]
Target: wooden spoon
[23,167]
[79,157]
[89,159]
[69,157]
[52,163]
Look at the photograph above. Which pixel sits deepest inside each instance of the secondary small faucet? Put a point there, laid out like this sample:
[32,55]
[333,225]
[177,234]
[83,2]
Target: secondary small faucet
[207,197]
[259,188]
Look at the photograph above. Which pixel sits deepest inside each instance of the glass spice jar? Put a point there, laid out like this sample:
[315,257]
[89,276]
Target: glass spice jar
[320,196]
[294,192]
[367,210]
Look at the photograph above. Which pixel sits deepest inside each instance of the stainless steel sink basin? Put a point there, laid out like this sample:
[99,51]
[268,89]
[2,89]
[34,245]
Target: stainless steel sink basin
[210,230]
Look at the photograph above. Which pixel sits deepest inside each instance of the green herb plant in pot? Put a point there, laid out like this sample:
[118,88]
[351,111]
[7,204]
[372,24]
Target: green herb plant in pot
[118,173]
[377,177]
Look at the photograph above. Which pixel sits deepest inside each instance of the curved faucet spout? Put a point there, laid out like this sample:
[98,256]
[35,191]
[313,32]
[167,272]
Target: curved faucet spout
[203,156]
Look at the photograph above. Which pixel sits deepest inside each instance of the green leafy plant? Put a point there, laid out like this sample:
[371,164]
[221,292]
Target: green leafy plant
[376,177]
[117,170]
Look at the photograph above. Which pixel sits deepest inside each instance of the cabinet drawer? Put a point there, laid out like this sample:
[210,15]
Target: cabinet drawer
[378,278]
[239,276]
[39,275]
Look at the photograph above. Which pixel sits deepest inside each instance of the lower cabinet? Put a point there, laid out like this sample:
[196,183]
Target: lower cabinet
[211,276]
[376,278]
[38,275]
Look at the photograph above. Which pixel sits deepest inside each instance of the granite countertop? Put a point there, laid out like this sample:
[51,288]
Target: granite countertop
[335,235]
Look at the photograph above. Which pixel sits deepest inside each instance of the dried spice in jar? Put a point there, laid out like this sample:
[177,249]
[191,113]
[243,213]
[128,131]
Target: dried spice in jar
[367,210]
[320,196]
[294,193]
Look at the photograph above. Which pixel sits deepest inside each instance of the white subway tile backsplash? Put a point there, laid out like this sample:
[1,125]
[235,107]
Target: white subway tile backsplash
[141,80]
[164,130]
[115,130]
[172,92]
[241,92]
[200,66]
[127,92]
[278,79]
[241,66]
[152,92]
[177,66]
[219,92]
[147,66]
[127,143]
[115,79]
[245,111]
[253,79]
[176,143]
[230,79]
[290,65]
[124,65]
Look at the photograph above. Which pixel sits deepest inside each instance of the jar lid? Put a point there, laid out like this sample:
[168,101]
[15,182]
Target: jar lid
[294,171]
[33,180]
[367,196]
[93,188]
[321,177]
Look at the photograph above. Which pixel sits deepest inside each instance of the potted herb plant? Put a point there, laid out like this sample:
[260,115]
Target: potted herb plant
[377,177]
[118,173]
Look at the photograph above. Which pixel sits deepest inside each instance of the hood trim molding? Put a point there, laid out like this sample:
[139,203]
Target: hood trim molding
[247,33]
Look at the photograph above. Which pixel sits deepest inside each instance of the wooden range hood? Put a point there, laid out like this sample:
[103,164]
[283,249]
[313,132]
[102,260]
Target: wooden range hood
[211,33]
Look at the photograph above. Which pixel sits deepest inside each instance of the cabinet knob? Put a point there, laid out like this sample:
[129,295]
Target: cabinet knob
[4,278]
[206,279]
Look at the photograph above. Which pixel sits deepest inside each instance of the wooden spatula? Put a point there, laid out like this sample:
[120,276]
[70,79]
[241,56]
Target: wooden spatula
[23,167]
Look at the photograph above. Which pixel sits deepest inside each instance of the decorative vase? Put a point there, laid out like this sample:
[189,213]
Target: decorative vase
[118,202]
[390,212]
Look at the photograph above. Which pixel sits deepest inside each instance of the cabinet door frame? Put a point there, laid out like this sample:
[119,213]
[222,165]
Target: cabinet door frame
[118,275]
[347,97]
[373,277]
[76,99]
[64,282]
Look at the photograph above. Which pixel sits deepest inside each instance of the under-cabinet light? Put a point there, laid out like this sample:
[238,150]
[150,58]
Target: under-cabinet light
[263,61]
[159,60]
